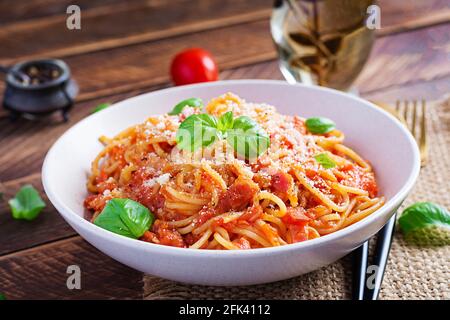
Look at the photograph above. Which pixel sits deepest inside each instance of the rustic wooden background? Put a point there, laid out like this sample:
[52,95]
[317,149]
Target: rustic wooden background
[124,49]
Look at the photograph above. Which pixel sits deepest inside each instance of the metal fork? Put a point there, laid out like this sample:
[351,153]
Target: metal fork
[415,121]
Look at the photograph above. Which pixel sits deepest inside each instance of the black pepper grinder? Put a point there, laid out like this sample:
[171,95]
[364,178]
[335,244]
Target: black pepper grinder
[38,88]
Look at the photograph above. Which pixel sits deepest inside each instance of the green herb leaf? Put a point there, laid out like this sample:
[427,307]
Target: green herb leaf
[243,134]
[320,125]
[197,130]
[27,204]
[101,106]
[125,217]
[247,138]
[426,223]
[192,102]
[225,122]
[325,161]
[2,296]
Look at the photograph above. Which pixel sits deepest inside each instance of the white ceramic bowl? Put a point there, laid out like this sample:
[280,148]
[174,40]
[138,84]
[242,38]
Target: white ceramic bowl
[372,132]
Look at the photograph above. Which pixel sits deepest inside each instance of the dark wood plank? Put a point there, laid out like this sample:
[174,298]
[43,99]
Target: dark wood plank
[143,65]
[430,90]
[414,89]
[40,273]
[420,55]
[20,234]
[397,16]
[394,12]
[13,11]
[111,27]
[24,143]
[108,26]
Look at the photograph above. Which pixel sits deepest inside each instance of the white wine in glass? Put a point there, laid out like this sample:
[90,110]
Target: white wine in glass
[323,42]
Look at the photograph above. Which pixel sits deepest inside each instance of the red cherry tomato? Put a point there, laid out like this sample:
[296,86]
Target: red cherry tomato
[192,66]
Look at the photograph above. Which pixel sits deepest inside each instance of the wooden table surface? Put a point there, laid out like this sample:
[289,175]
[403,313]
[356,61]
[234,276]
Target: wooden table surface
[124,49]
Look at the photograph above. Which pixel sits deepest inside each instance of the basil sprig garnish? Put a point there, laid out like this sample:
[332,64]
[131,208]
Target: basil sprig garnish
[325,161]
[225,121]
[125,217]
[319,125]
[191,102]
[197,130]
[426,223]
[27,204]
[246,137]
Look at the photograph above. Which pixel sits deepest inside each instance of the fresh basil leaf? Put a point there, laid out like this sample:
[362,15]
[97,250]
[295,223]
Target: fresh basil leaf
[247,138]
[325,161]
[101,106]
[225,122]
[2,296]
[197,130]
[319,125]
[191,102]
[125,217]
[200,130]
[27,204]
[426,223]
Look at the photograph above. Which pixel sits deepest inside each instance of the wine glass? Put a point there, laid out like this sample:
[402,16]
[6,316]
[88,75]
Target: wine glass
[322,42]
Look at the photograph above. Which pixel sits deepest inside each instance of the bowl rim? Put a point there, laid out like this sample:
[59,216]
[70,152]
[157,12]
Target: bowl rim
[72,218]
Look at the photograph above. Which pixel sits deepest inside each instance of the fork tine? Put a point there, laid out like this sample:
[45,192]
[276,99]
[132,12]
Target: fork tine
[399,114]
[423,124]
[405,113]
[423,134]
[414,119]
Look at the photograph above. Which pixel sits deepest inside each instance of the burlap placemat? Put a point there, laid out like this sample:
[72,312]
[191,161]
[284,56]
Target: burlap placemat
[412,272]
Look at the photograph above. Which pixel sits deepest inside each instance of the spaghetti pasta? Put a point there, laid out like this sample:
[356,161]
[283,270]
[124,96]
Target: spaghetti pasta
[285,196]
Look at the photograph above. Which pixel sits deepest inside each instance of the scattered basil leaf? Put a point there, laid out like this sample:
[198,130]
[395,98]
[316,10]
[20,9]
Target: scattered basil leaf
[27,204]
[191,102]
[426,223]
[325,161]
[320,125]
[197,130]
[125,217]
[2,296]
[247,138]
[225,122]
[101,106]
